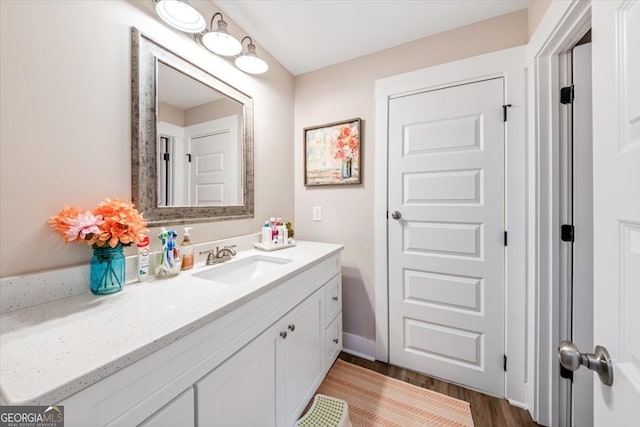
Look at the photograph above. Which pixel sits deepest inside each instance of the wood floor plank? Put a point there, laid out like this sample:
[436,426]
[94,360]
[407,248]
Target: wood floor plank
[487,411]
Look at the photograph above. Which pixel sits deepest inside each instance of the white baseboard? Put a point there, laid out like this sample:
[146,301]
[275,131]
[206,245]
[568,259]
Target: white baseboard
[518,404]
[358,346]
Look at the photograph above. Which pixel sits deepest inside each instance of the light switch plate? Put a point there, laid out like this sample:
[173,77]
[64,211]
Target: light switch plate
[317,213]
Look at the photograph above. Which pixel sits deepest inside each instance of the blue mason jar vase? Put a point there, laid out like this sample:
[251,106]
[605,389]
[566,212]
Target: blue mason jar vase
[107,270]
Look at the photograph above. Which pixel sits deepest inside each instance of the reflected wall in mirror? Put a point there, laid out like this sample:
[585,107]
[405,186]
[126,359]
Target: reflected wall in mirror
[192,140]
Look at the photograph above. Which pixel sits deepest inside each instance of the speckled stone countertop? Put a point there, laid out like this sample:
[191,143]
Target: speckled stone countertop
[50,351]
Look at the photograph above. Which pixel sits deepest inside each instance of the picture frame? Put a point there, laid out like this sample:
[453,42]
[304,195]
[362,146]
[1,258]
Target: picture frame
[332,153]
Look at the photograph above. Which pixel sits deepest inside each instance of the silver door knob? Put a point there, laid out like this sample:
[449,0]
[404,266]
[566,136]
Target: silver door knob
[396,215]
[599,360]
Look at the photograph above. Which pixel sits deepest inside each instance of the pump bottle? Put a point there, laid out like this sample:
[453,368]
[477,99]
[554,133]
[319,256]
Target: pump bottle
[186,250]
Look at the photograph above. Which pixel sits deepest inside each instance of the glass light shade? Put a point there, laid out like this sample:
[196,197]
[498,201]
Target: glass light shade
[181,15]
[221,43]
[251,63]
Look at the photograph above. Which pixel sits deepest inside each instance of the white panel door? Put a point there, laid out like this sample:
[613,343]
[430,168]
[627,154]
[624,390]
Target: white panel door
[446,252]
[582,247]
[214,175]
[616,196]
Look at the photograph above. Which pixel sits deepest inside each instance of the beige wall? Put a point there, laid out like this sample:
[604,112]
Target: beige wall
[213,110]
[344,91]
[537,9]
[65,120]
[170,114]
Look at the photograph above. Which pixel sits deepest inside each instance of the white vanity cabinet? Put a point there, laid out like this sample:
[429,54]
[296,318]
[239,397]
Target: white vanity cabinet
[269,381]
[259,364]
[178,412]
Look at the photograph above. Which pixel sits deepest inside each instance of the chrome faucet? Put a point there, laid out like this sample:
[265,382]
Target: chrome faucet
[217,255]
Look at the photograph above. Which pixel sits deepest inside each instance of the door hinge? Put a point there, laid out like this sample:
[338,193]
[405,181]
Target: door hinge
[165,157]
[505,238]
[567,233]
[189,158]
[504,365]
[504,111]
[567,95]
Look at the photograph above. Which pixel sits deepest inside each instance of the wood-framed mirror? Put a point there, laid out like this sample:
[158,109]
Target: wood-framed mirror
[191,140]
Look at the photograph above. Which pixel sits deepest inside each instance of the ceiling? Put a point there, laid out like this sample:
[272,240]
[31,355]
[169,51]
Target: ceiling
[306,35]
[180,90]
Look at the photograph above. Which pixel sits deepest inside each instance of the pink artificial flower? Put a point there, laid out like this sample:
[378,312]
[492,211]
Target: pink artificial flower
[83,225]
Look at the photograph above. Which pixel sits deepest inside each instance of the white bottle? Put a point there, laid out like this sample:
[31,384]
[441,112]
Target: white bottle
[266,235]
[282,234]
[143,259]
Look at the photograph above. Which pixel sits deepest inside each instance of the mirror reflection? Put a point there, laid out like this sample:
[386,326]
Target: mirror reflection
[200,147]
[192,140]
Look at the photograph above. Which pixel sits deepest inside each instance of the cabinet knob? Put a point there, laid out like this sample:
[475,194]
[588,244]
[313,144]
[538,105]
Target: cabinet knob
[335,299]
[292,327]
[336,340]
[283,334]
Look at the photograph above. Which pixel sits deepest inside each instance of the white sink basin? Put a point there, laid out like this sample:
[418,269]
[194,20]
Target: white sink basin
[242,270]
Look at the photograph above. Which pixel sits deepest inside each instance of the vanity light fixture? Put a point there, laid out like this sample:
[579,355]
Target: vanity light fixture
[249,62]
[184,17]
[220,41]
[180,15]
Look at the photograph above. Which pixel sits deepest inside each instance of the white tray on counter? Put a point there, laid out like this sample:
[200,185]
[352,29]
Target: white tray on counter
[275,248]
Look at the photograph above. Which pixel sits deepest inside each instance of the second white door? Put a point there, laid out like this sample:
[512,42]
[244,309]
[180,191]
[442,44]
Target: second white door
[446,233]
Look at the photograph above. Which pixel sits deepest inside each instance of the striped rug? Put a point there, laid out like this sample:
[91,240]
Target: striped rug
[378,400]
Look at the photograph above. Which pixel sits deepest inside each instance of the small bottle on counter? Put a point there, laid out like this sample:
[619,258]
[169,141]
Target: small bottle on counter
[267,237]
[274,232]
[186,250]
[143,259]
[282,233]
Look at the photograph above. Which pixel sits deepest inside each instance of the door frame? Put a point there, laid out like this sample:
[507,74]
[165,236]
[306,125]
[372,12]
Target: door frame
[509,64]
[560,29]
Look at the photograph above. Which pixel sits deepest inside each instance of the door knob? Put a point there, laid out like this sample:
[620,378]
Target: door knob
[292,327]
[599,360]
[396,215]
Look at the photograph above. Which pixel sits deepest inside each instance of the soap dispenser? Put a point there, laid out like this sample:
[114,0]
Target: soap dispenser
[186,250]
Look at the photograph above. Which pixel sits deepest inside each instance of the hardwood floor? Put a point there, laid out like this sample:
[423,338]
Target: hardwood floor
[487,411]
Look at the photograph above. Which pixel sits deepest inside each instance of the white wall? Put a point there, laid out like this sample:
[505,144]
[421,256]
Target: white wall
[344,91]
[65,120]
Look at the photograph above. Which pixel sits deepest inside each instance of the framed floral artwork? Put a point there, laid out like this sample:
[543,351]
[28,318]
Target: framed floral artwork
[332,153]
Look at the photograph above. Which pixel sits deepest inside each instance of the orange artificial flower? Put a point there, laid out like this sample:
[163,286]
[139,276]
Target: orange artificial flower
[122,223]
[113,222]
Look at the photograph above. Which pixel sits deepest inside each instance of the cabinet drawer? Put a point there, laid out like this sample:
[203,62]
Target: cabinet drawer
[333,343]
[333,298]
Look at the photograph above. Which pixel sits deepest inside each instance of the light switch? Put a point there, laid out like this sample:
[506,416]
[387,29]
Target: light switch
[317,213]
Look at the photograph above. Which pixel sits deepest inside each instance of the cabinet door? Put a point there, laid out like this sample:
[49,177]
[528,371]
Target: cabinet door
[333,342]
[241,391]
[333,302]
[178,412]
[300,357]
